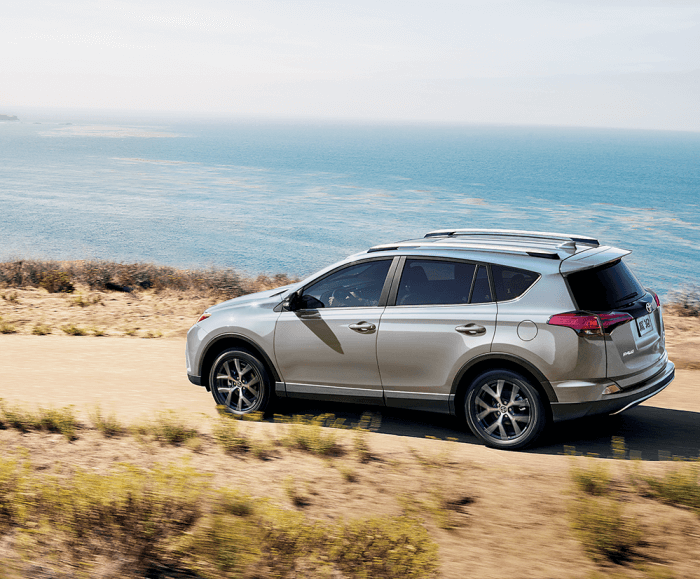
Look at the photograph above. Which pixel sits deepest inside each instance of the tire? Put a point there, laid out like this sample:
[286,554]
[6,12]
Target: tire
[504,410]
[239,381]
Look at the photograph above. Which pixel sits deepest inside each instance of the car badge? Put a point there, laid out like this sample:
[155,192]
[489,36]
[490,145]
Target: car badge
[648,307]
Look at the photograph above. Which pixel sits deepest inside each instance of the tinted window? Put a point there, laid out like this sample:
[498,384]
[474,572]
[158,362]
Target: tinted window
[354,286]
[511,282]
[426,282]
[606,287]
[481,294]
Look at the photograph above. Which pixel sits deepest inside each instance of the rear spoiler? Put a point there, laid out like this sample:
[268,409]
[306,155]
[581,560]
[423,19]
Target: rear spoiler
[591,258]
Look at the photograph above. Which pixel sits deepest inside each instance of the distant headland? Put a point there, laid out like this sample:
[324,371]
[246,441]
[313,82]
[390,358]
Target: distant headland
[8,118]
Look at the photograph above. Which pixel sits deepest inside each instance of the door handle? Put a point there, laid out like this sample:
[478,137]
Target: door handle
[363,327]
[471,330]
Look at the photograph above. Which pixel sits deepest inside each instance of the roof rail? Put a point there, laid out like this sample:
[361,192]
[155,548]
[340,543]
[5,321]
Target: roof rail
[474,245]
[513,233]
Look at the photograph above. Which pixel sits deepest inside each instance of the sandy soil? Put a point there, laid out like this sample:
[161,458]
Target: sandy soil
[169,314]
[515,516]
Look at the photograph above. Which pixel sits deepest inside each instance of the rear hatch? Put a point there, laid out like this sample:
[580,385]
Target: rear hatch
[634,344]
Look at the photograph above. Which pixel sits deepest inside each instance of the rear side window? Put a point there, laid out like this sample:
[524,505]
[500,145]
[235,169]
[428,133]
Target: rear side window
[481,294]
[605,287]
[435,282]
[511,282]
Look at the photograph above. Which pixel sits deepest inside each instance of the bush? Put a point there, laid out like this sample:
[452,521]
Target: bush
[606,533]
[226,433]
[6,328]
[130,508]
[73,330]
[307,433]
[108,275]
[41,330]
[57,282]
[60,420]
[594,480]
[168,428]
[107,425]
[680,486]
[685,301]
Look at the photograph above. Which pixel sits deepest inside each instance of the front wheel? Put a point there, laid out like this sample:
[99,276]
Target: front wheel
[239,381]
[504,410]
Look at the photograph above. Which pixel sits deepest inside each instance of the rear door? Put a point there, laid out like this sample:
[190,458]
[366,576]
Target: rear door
[440,314]
[635,349]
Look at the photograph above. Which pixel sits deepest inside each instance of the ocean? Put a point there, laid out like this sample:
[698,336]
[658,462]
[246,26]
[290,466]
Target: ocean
[292,197]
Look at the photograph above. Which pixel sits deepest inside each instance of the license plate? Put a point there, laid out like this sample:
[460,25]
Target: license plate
[644,325]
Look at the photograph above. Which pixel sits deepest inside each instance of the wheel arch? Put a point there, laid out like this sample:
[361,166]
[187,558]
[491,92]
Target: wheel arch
[500,361]
[226,341]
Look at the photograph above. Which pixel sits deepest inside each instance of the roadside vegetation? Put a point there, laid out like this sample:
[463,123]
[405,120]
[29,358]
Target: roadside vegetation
[175,514]
[685,302]
[99,275]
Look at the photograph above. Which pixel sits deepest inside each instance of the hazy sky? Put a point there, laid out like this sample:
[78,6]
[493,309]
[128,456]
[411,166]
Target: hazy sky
[614,63]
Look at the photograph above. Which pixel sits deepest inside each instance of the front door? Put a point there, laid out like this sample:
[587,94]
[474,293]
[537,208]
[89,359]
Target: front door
[329,349]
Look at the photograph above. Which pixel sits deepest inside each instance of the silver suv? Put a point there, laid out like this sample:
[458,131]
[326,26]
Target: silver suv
[507,329]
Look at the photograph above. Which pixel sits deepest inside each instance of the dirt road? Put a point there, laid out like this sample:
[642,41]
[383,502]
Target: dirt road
[136,378]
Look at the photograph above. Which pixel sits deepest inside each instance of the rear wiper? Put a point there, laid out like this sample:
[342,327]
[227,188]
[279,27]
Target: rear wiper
[623,298]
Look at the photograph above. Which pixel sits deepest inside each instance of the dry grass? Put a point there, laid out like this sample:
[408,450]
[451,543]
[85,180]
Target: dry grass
[133,300]
[64,276]
[685,302]
[178,510]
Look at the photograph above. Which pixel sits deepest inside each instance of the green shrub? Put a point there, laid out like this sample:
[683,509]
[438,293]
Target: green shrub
[592,480]
[297,498]
[383,547]
[680,486]
[133,508]
[169,428]
[41,330]
[73,330]
[17,417]
[308,433]
[226,432]
[107,424]
[605,532]
[362,446]
[6,328]
[13,485]
[61,420]
[57,281]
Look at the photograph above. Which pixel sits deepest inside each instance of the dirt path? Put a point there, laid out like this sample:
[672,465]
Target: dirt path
[136,378]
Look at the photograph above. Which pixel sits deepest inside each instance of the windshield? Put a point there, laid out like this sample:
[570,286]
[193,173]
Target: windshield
[604,288]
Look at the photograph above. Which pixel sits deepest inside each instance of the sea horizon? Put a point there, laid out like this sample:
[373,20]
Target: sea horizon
[273,196]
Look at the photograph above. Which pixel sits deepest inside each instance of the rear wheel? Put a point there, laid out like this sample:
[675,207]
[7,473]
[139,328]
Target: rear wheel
[239,381]
[504,410]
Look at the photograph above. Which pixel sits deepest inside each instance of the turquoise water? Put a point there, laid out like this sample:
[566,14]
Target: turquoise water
[294,197]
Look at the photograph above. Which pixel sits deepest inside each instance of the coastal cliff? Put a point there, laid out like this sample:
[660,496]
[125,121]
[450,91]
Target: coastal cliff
[8,118]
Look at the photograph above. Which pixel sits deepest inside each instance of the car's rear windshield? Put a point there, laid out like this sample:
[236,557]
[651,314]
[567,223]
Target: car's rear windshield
[604,288]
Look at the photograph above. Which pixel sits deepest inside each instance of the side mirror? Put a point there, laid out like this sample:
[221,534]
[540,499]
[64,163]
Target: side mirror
[309,303]
[292,302]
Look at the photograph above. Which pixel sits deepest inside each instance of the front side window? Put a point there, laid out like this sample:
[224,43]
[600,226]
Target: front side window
[355,286]
[435,282]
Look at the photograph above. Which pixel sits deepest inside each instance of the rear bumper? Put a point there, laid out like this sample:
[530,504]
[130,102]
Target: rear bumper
[616,403]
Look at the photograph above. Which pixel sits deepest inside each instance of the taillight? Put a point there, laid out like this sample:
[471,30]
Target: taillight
[590,324]
[204,316]
[656,299]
